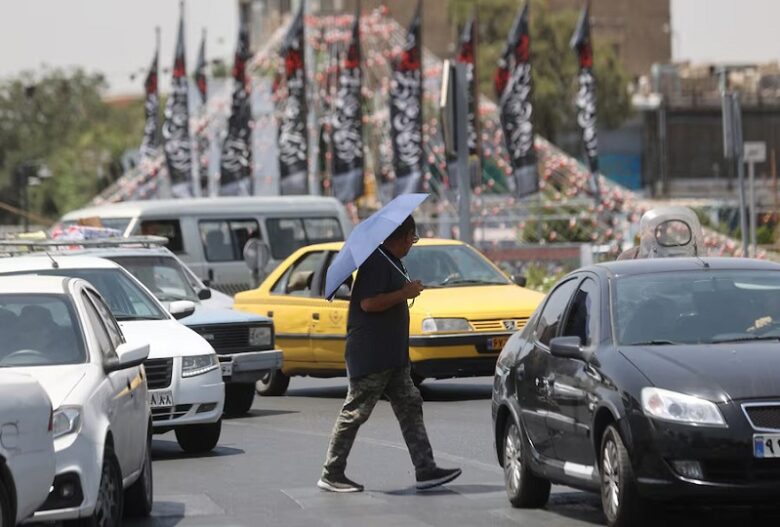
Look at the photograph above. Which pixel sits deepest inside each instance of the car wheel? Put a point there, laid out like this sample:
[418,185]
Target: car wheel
[524,489]
[110,499]
[198,439]
[273,383]
[239,398]
[7,518]
[139,498]
[620,499]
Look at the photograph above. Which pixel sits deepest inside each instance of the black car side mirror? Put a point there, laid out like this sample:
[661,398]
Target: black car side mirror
[204,294]
[568,348]
[519,279]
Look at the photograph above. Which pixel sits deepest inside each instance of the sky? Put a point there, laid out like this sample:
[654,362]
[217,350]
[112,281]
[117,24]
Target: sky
[116,37]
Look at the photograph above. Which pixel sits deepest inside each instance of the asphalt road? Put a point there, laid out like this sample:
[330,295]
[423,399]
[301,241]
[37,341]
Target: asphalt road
[266,466]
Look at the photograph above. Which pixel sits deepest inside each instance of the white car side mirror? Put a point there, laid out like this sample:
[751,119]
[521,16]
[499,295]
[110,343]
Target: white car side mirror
[129,355]
[181,308]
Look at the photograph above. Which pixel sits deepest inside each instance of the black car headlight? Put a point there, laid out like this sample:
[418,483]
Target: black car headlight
[261,337]
[680,408]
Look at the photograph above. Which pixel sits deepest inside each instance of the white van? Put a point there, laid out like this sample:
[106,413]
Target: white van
[209,234]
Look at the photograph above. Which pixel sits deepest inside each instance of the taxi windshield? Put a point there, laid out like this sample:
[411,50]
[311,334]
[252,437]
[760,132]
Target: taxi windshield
[451,266]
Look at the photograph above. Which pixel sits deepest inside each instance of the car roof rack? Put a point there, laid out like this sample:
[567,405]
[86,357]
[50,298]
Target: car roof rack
[145,242]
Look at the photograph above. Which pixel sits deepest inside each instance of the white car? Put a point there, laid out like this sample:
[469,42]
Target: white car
[26,447]
[187,394]
[59,331]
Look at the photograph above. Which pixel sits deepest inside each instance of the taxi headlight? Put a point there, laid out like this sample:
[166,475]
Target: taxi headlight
[435,325]
[680,408]
[66,420]
[260,336]
[198,364]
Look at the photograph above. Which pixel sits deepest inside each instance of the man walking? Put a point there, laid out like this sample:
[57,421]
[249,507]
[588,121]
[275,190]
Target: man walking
[377,357]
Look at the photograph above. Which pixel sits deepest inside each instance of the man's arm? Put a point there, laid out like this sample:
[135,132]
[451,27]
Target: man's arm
[385,301]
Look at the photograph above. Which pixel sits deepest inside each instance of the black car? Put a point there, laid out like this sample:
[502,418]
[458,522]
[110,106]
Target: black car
[647,381]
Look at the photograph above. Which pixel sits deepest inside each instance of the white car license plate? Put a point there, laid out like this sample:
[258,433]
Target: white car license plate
[227,368]
[766,445]
[161,399]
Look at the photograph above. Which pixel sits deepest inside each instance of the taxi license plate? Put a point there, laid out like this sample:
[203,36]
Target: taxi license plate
[227,368]
[766,445]
[496,343]
[161,399]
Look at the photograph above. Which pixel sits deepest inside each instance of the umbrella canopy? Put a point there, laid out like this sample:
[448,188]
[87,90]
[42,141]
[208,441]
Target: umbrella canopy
[366,237]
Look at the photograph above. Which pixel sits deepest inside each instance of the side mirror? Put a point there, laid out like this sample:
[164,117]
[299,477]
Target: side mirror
[519,279]
[568,348]
[181,308]
[257,254]
[129,355]
[204,294]
[343,292]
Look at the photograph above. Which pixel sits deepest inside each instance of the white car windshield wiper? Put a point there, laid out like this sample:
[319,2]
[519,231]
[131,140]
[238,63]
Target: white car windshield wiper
[125,318]
[746,338]
[657,342]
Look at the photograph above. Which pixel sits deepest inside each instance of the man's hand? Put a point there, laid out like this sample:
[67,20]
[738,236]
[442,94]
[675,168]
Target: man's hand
[412,289]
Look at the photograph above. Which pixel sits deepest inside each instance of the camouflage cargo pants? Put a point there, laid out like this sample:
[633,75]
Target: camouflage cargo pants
[363,394]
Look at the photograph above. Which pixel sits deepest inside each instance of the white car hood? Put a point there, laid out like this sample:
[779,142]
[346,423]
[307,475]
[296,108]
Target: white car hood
[166,338]
[58,381]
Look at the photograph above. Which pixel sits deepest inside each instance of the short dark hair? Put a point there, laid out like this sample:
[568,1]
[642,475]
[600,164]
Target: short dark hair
[407,227]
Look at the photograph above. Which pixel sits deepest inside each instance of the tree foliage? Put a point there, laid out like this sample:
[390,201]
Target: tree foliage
[554,63]
[59,118]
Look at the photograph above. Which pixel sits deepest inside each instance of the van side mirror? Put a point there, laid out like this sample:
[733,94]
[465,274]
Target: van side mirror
[519,279]
[257,254]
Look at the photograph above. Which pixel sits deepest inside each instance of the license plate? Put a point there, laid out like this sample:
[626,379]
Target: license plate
[227,368]
[766,445]
[496,343]
[161,399]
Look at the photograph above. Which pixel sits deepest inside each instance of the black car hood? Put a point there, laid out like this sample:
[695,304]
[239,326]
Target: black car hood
[713,371]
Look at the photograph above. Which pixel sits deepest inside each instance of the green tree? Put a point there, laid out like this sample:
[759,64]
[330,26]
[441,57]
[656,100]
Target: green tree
[59,118]
[554,63]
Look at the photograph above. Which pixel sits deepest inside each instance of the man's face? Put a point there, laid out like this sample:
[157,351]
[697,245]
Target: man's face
[410,239]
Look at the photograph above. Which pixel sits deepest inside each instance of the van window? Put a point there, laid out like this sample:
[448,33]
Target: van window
[224,240]
[168,228]
[287,235]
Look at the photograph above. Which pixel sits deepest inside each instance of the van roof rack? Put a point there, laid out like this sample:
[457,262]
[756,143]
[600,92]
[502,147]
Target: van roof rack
[115,242]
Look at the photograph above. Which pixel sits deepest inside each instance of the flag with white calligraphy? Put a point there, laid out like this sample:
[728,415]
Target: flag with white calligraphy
[151,141]
[467,55]
[348,124]
[176,129]
[202,132]
[586,95]
[236,160]
[292,138]
[517,110]
[406,112]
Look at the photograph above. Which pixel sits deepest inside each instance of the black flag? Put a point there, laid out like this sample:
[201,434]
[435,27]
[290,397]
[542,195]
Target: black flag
[586,95]
[176,130]
[236,162]
[517,111]
[406,112]
[506,59]
[467,56]
[292,139]
[202,134]
[348,124]
[151,141]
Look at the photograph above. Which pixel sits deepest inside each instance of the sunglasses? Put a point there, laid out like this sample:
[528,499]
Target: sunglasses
[415,238]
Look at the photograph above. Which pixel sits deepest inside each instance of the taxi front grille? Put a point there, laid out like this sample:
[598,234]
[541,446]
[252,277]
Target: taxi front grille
[158,373]
[507,324]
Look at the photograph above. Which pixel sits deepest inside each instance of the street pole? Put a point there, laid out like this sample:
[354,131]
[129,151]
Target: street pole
[464,183]
[751,179]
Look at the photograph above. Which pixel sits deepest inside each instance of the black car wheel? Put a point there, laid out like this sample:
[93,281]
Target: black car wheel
[620,499]
[524,489]
[273,383]
[6,518]
[110,499]
[139,498]
[239,398]
[198,439]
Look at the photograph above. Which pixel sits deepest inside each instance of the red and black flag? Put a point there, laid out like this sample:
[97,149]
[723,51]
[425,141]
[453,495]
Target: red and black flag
[506,59]
[200,70]
[467,52]
[176,129]
[406,112]
[151,142]
[202,133]
[517,111]
[586,95]
[292,139]
[348,123]
[236,162]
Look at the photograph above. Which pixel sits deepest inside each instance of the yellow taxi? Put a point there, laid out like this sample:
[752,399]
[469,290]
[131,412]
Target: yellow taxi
[458,325]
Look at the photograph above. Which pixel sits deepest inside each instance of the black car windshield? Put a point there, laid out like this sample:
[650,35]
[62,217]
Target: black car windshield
[697,307]
[39,330]
[126,300]
[162,275]
[451,266]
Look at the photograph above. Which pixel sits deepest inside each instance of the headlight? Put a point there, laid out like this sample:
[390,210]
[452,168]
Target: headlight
[198,364]
[260,337]
[434,325]
[680,408]
[66,420]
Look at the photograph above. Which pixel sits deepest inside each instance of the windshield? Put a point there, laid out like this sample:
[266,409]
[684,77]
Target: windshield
[697,307]
[451,266]
[39,330]
[126,300]
[162,275]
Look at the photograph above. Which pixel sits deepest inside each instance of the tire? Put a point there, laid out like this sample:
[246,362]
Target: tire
[199,439]
[524,489]
[273,384]
[139,497]
[239,398]
[620,499]
[7,514]
[110,501]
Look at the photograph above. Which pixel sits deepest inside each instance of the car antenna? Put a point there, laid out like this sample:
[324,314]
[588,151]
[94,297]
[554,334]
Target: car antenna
[54,263]
[703,263]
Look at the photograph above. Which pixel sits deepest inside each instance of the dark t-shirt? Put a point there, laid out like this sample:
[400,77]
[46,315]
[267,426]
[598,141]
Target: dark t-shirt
[377,341]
